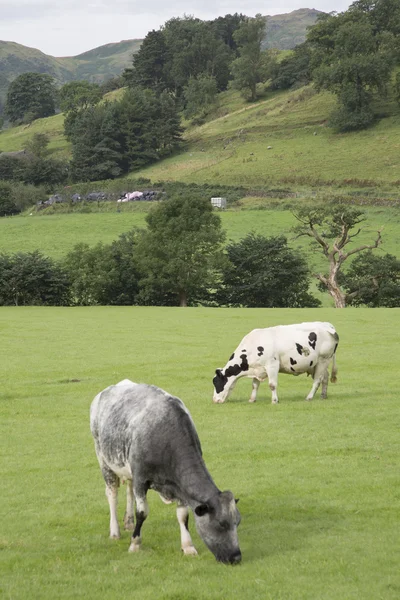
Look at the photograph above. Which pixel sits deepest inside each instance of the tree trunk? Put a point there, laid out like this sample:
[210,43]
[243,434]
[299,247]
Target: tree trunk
[338,296]
[182,298]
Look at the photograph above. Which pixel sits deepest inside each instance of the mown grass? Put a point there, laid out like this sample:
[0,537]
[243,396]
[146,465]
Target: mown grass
[317,482]
[55,235]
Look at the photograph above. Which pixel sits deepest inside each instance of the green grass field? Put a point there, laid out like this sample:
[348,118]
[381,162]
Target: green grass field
[317,481]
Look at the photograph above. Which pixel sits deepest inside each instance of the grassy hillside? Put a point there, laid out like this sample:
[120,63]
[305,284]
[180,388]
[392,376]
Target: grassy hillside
[282,140]
[288,30]
[234,148]
[96,65]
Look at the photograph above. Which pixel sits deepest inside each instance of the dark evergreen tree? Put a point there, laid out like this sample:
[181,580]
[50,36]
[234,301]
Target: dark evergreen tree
[30,96]
[32,279]
[149,63]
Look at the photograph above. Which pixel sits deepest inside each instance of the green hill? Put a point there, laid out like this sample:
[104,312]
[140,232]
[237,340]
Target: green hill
[287,31]
[97,65]
[282,140]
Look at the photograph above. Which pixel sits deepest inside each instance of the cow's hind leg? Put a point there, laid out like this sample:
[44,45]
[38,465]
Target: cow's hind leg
[112,485]
[319,374]
[325,380]
[130,500]
[255,386]
[273,372]
[142,511]
[182,513]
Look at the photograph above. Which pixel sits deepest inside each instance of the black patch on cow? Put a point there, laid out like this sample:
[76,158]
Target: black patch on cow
[291,368]
[312,340]
[244,350]
[232,356]
[335,348]
[219,381]
[260,350]
[299,348]
[292,361]
[311,363]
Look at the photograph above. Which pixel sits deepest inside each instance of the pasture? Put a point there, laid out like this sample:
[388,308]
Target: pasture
[56,235]
[317,481]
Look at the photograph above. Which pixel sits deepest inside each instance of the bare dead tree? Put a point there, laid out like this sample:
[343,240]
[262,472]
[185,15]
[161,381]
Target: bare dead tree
[332,228]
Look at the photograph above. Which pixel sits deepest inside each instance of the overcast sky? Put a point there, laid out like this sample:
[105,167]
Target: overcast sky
[70,27]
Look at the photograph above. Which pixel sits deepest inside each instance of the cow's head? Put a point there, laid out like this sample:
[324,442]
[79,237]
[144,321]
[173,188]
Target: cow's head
[217,521]
[220,386]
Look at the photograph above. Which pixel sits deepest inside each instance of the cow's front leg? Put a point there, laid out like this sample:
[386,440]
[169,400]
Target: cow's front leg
[182,513]
[142,511]
[128,517]
[255,386]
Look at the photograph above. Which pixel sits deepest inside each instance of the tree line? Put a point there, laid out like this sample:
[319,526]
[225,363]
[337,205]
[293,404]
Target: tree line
[180,260]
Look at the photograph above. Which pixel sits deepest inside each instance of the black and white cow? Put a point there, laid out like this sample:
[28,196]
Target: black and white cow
[293,349]
[146,436]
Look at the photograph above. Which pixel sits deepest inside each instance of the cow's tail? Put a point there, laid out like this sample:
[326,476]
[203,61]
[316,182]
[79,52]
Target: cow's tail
[334,371]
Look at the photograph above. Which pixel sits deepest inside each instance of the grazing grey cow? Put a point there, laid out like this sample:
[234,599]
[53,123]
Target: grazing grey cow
[293,349]
[146,436]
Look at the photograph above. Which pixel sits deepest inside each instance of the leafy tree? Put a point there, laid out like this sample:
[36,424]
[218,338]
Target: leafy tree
[38,145]
[249,68]
[294,70]
[7,204]
[178,254]
[265,272]
[168,125]
[78,95]
[331,229]
[104,274]
[32,279]
[30,94]
[373,280]
[225,28]
[114,83]
[199,94]
[354,61]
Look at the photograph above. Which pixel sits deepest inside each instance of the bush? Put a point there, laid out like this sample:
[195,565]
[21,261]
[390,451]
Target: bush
[7,204]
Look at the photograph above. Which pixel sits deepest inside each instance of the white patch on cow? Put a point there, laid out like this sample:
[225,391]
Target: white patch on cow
[112,497]
[182,513]
[125,382]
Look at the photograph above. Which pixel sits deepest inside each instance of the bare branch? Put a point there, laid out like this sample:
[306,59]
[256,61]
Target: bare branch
[365,246]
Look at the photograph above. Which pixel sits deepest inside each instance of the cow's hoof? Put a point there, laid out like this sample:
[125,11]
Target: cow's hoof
[134,547]
[115,536]
[252,400]
[189,551]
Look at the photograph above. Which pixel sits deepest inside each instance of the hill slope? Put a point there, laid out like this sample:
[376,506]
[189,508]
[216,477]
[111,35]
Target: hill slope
[288,30]
[283,32]
[96,65]
[283,139]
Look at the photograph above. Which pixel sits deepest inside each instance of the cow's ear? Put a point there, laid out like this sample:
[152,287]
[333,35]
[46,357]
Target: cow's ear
[218,372]
[236,500]
[202,510]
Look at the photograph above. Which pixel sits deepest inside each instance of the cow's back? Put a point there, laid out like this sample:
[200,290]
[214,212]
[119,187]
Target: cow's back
[132,422]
